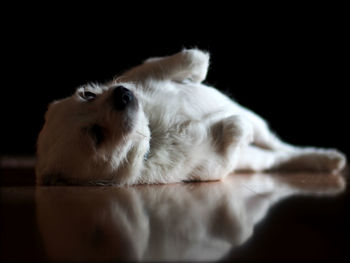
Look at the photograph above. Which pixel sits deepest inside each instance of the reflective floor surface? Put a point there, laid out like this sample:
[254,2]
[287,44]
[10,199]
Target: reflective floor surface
[255,217]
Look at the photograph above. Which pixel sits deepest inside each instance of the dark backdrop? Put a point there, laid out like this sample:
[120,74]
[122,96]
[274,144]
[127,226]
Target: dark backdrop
[291,68]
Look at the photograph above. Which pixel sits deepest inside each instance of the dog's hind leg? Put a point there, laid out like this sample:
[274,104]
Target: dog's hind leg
[189,64]
[268,152]
[308,159]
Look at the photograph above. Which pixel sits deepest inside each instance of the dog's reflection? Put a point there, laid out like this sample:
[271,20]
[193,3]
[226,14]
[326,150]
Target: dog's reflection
[190,221]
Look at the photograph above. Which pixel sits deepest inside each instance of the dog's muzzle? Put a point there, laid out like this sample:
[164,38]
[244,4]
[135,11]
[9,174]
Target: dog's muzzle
[122,98]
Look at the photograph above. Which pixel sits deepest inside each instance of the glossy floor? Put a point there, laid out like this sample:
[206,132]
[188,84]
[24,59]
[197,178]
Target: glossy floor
[256,217]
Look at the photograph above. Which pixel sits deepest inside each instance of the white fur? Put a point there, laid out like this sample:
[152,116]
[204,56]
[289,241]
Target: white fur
[189,131]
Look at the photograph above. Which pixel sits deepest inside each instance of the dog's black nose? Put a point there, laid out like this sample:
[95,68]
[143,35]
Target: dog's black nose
[122,97]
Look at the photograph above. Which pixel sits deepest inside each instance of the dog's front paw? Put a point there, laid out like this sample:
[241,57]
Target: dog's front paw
[197,61]
[194,55]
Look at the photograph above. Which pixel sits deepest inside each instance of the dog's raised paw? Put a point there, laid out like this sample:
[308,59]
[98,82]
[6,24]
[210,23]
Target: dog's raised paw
[198,61]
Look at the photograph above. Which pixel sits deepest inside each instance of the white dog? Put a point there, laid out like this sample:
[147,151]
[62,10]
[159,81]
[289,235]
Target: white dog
[158,123]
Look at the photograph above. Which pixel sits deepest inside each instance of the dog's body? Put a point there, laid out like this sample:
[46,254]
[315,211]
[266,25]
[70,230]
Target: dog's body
[158,123]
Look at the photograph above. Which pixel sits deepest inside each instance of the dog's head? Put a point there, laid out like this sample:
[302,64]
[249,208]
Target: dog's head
[99,135]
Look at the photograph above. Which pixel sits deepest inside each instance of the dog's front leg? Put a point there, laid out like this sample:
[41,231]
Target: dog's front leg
[189,64]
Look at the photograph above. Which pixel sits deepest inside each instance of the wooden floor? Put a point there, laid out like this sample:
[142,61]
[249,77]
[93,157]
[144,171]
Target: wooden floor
[255,217]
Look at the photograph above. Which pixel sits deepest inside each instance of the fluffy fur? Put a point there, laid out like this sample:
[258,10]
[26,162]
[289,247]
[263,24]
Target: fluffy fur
[174,129]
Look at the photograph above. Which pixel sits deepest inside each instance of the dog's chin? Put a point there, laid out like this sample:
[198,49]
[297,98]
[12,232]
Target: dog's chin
[128,124]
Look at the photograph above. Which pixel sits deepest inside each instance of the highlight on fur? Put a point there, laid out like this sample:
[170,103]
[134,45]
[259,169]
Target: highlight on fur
[158,123]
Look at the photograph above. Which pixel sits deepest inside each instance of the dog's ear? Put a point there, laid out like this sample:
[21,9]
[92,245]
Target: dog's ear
[50,108]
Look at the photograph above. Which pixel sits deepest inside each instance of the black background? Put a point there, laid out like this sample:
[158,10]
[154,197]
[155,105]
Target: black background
[289,64]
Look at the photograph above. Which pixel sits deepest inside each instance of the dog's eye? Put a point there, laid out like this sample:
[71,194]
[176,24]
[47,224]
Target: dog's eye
[97,134]
[88,95]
